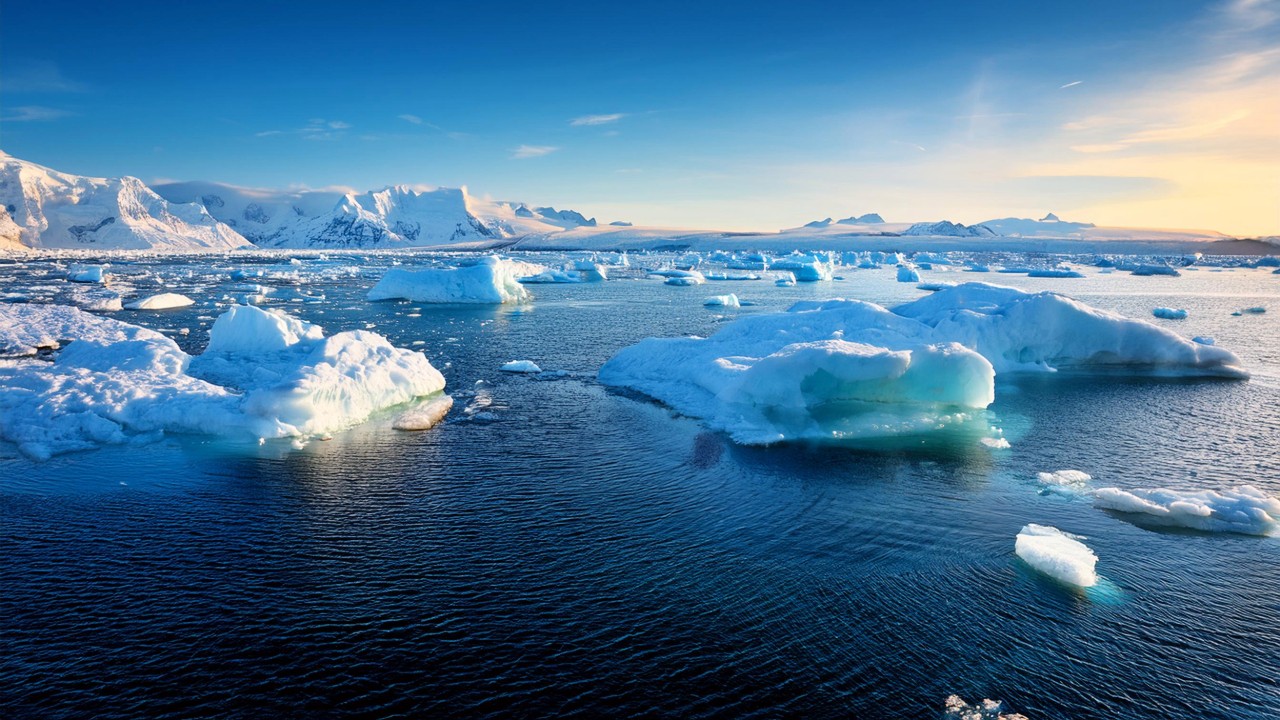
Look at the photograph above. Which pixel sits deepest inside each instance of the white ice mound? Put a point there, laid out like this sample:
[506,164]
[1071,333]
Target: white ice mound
[26,328]
[491,280]
[963,335]
[266,375]
[729,300]
[1065,479]
[163,301]
[521,366]
[1057,554]
[840,370]
[1244,509]
[1021,331]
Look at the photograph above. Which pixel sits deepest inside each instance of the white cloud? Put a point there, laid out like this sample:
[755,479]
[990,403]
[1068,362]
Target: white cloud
[33,113]
[532,151]
[1073,83]
[410,118]
[597,119]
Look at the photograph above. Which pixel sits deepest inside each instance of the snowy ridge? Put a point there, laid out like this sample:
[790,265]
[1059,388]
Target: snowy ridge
[42,208]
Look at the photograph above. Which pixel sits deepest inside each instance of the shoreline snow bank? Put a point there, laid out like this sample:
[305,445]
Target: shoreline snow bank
[265,375]
[491,280]
[1244,509]
[1057,554]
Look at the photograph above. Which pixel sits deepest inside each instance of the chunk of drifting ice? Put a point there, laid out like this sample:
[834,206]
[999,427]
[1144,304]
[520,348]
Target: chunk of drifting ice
[777,377]
[1054,273]
[521,366]
[87,273]
[249,330]
[1021,331]
[163,301]
[1070,480]
[1169,313]
[552,277]
[591,271]
[986,710]
[729,300]
[1057,554]
[1203,340]
[785,280]
[1244,509]
[806,268]
[1256,310]
[908,274]
[117,381]
[491,280]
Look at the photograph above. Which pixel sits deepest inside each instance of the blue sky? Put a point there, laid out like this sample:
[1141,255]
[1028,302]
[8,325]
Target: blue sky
[694,114]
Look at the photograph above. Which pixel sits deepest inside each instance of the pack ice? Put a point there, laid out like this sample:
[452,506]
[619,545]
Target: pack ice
[851,370]
[264,374]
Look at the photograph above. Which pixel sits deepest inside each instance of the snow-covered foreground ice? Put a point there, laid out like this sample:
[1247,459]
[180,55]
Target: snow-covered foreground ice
[491,280]
[1245,509]
[845,370]
[1057,554]
[264,374]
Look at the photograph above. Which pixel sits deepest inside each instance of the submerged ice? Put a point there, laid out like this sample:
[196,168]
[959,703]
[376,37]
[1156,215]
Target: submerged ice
[851,370]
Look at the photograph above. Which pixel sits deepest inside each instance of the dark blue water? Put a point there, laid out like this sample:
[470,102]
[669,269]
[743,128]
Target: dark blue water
[588,554]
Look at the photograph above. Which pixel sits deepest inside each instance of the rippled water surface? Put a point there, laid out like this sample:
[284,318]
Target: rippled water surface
[588,554]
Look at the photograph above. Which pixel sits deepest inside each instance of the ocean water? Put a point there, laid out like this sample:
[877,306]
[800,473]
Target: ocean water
[587,553]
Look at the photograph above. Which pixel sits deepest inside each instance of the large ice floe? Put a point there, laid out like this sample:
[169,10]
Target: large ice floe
[1245,509]
[490,280]
[847,370]
[264,375]
[1057,554]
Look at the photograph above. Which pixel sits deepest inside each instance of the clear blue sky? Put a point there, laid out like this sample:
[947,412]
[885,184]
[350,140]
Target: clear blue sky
[710,114]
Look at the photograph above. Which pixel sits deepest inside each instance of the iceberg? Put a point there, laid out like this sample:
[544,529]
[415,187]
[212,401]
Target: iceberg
[729,300]
[806,268]
[1245,509]
[1165,313]
[491,280]
[163,301]
[846,370]
[264,374]
[908,274]
[87,273]
[1059,555]
[521,366]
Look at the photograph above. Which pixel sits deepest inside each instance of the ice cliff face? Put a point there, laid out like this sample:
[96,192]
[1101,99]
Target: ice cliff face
[43,208]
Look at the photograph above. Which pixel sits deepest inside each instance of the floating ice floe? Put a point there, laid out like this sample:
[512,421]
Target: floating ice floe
[785,280]
[1057,554]
[1244,509]
[491,280]
[1070,481]
[163,301]
[958,709]
[264,375]
[908,274]
[1165,313]
[729,300]
[850,370]
[521,366]
[87,273]
[806,268]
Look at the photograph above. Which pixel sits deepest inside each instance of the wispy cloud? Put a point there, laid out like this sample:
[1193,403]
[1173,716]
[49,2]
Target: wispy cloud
[39,77]
[1099,148]
[589,120]
[315,129]
[33,113]
[525,152]
[1073,83]
[413,119]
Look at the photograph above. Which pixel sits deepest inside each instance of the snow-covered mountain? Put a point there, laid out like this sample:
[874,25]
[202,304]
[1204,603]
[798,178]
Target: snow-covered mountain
[43,208]
[1048,226]
[398,216]
[868,219]
[945,228]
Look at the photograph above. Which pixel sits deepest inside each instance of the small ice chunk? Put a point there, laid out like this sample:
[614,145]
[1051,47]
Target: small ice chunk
[1255,310]
[908,274]
[1244,509]
[87,273]
[1170,313]
[163,301]
[1070,480]
[1201,339]
[729,300]
[521,366]
[996,443]
[1057,554]
[958,709]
